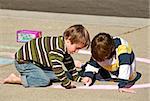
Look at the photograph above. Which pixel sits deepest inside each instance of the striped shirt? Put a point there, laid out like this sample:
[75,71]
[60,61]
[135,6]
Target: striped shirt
[120,66]
[49,52]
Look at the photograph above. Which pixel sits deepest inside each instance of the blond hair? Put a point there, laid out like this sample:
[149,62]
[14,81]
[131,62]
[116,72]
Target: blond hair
[77,34]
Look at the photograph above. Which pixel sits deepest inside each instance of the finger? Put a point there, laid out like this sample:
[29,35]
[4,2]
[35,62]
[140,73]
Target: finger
[1,81]
[127,90]
[88,84]
[131,91]
[70,87]
[73,86]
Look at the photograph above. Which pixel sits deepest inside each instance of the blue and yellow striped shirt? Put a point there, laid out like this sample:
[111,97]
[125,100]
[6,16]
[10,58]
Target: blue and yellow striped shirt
[120,66]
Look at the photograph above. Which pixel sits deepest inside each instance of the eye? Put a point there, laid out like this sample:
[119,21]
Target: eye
[78,48]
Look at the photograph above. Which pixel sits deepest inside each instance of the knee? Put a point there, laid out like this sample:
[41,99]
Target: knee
[39,82]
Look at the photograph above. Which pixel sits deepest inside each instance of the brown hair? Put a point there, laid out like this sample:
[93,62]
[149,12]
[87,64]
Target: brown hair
[77,34]
[102,47]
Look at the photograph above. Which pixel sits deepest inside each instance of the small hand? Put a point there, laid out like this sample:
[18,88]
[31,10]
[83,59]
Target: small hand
[70,87]
[126,90]
[87,81]
[78,63]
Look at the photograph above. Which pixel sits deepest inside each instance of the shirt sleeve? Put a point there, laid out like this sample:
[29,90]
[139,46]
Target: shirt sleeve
[91,68]
[56,59]
[124,74]
[125,55]
[70,67]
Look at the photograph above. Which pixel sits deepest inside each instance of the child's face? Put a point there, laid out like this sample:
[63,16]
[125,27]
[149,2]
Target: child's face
[73,48]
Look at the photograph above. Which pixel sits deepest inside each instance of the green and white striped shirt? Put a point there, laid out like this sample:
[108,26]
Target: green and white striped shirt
[49,52]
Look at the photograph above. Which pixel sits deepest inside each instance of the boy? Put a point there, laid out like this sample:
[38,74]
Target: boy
[46,59]
[112,59]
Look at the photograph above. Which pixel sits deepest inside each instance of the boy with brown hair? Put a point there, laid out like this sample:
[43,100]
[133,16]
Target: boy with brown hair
[112,59]
[46,59]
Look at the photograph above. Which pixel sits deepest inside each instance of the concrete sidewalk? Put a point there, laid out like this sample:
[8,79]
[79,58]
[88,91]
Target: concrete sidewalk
[123,8]
[56,23]
[134,30]
[76,18]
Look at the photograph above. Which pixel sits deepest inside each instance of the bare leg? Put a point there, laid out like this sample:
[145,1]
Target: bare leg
[11,79]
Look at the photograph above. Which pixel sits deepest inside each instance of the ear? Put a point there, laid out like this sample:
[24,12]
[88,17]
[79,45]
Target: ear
[68,41]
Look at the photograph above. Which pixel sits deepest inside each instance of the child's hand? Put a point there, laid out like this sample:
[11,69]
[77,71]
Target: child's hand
[126,90]
[78,63]
[71,86]
[87,81]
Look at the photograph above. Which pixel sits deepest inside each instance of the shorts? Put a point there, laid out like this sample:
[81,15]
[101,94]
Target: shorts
[34,76]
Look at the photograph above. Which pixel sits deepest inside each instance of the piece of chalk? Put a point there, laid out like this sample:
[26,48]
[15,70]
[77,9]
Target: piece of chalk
[87,84]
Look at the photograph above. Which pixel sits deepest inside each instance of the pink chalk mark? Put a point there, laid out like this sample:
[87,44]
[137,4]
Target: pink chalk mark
[143,60]
[8,54]
[106,87]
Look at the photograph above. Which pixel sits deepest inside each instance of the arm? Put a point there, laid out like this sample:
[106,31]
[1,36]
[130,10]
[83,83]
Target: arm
[125,57]
[70,66]
[124,74]
[90,68]
[56,59]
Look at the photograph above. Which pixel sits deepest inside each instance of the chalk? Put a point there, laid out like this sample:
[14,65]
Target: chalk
[106,87]
[6,61]
[87,84]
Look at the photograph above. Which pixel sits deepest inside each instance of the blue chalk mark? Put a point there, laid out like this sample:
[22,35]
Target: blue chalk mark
[4,61]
